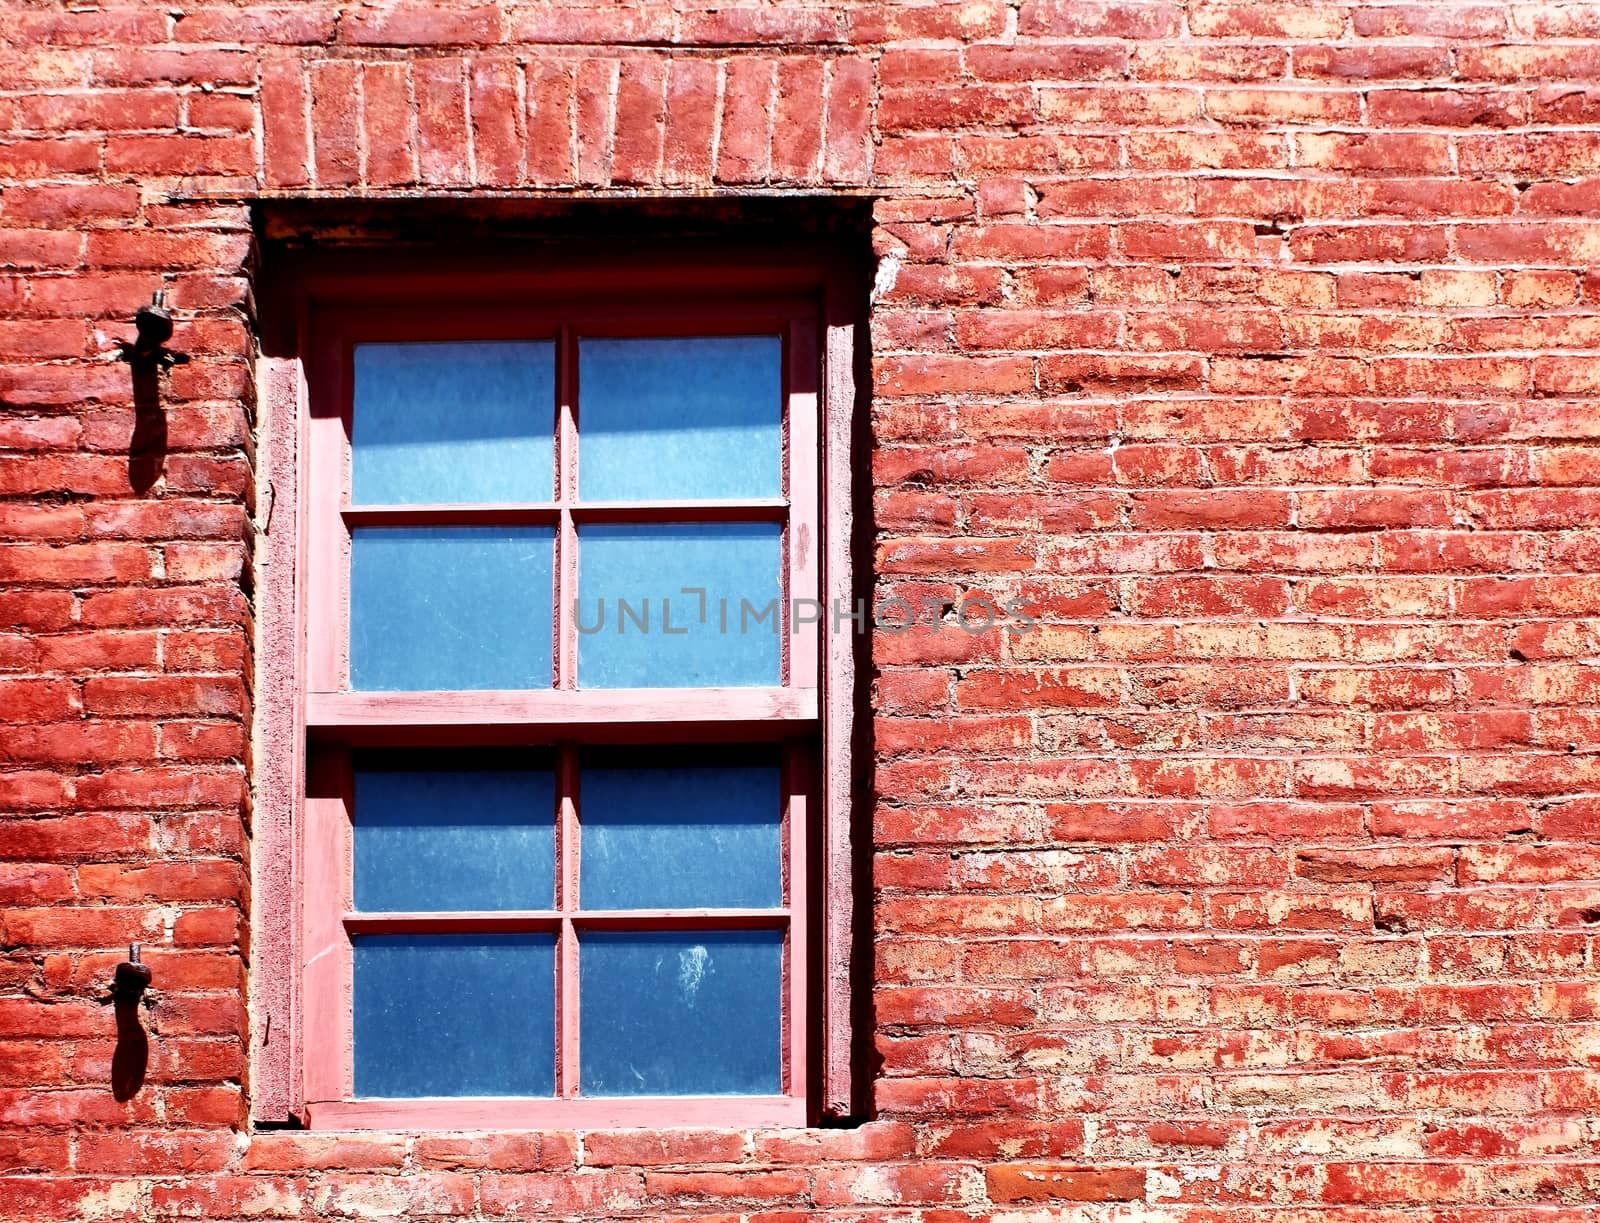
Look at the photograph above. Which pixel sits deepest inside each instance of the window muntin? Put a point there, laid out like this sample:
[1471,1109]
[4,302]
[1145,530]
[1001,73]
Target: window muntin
[493,664]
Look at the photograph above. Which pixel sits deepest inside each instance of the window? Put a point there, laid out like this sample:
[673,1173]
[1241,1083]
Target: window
[564,580]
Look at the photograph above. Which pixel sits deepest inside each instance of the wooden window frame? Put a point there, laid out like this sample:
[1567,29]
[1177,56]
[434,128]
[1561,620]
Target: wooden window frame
[310,725]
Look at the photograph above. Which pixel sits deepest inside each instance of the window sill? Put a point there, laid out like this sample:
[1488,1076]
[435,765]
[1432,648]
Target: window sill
[643,1112]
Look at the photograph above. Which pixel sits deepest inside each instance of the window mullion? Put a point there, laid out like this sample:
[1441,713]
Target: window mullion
[566,672]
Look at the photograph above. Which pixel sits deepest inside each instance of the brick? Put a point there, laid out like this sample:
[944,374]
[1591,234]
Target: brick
[493,105]
[690,121]
[1407,153]
[641,117]
[1372,62]
[28,884]
[186,155]
[144,66]
[847,148]
[173,605]
[1447,108]
[927,108]
[1037,330]
[1062,19]
[913,21]
[387,134]
[46,158]
[186,1152]
[653,1148]
[110,110]
[157,695]
[952,375]
[798,121]
[594,119]
[222,111]
[1056,1182]
[584,24]
[583,1193]
[1477,21]
[73,927]
[412,24]
[88,28]
[75,204]
[165,250]
[747,108]
[264,24]
[441,93]
[738,25]
[39,249]
[507,1152]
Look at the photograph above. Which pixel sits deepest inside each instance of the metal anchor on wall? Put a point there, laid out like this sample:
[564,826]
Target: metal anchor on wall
[153,323]
[132,978]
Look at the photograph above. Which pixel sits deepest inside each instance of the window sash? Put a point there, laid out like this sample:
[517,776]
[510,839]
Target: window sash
[332,515]
[338,719]
[331,919]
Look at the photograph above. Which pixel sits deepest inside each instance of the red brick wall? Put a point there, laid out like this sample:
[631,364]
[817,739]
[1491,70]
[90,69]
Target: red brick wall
[1255,344]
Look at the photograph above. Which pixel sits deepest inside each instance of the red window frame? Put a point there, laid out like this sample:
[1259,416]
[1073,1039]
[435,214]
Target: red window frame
[309,1075]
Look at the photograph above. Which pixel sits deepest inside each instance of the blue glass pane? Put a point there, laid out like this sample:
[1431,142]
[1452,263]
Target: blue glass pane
[639,629]
[693,1013]
[454,1014]
[684,837]
[453,422]
[450,607]
[679,418]
[453,838]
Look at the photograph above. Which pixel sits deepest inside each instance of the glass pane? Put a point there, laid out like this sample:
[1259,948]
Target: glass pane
[454,1014]
[661,419]
[639,629]
[661,837]
[450,607]
[682,1013]
[453,422]
[429,839]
